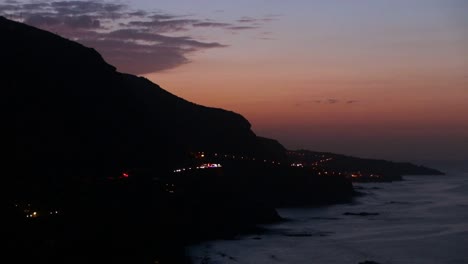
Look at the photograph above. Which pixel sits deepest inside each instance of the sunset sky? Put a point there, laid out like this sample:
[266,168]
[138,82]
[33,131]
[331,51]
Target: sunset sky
[372,78]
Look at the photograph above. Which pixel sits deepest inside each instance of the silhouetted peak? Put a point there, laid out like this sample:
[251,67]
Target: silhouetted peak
[46,48]
[74,109]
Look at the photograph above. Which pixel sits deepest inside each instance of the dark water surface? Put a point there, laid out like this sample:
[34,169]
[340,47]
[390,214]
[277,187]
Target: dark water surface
[421,220]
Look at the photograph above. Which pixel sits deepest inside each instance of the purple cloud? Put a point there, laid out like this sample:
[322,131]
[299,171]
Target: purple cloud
[83,22]
[241,27]
[211,24]
[42,21]
[6,8]
[80,7]
[247,20]
[136,35]
[135,41]
[161,26]
[133,57]
[35,6]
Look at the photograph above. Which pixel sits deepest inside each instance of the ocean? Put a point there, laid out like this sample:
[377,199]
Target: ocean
[420,220]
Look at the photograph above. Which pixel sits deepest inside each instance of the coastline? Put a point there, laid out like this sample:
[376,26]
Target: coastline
[400,221]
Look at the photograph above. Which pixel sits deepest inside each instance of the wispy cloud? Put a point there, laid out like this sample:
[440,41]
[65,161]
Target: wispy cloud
[241,27]
[162,25]
[247,20]
[76,22]
[326,101]
[135,41]
[211,24]
[267,18]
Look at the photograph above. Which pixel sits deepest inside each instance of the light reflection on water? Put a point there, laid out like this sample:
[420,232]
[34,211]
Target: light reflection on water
[422,220]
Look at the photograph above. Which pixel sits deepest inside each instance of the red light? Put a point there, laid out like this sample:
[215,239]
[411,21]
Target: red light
[124,175]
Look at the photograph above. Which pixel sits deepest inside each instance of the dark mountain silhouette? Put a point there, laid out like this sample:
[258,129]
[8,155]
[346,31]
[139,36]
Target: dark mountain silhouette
[77,117]
[77,122]
[74,109]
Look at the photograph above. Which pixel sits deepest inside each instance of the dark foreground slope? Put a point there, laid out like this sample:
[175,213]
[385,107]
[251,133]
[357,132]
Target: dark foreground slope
[92,178]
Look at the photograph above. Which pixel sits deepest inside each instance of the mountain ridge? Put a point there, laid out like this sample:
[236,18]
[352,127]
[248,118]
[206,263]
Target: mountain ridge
[74,108]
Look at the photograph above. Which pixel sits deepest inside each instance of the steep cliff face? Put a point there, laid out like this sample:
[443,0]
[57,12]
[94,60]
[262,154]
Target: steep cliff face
[74,109]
